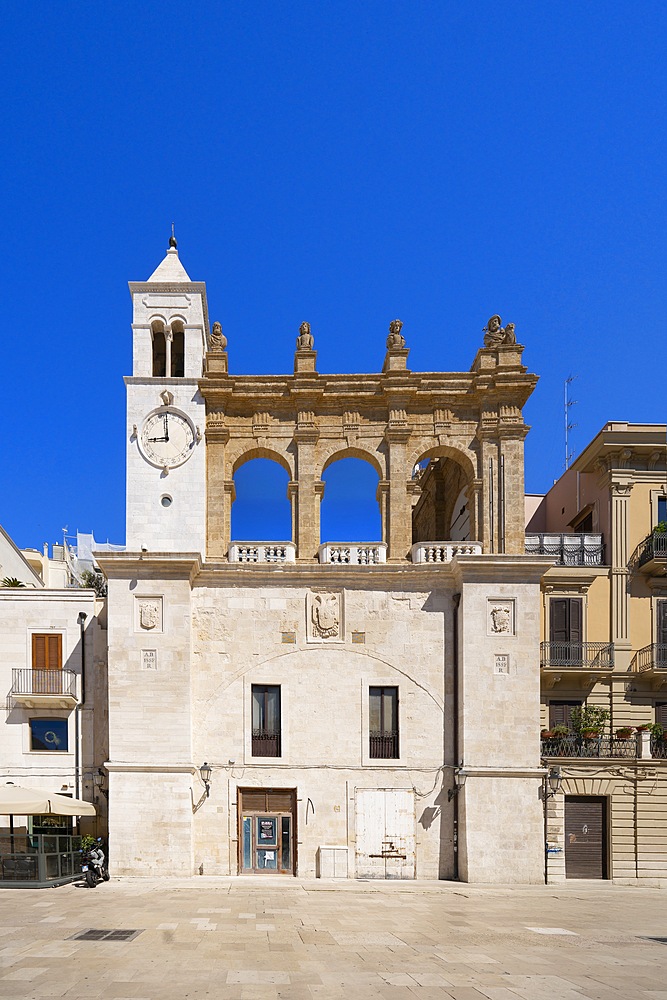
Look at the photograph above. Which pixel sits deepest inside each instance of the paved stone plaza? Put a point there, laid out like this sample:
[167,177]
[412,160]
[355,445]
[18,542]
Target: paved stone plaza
[270,937]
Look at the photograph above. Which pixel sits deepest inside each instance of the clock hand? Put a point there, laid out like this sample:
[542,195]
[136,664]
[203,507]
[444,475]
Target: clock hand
[166,427]
[153,440]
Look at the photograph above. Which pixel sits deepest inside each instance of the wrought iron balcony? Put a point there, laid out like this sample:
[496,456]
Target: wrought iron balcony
[43,688]
[265,743]
[443,552]
[353,553]
[577,655]
[262,552]
[567,550]
[597,746]
[651,554]
[651,657]
[383,746]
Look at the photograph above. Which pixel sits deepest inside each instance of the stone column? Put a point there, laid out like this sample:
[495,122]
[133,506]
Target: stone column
[474,498]
[219,493]
[168,339]
[399,507]
[310,488]
[487,532]
[620,625]
[511,492]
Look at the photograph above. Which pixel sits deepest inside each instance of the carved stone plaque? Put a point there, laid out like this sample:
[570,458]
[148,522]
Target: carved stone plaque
[148,614]
[324,617]
[500,617]
[149,659]
[502,663]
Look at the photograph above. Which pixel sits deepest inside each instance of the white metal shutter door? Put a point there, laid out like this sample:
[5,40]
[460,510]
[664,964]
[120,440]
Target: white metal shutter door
[399,833]
[370,832]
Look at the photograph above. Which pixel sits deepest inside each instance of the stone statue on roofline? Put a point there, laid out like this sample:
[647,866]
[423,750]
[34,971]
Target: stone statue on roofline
[305,340]
[496,335]
[218,341]
[395,340]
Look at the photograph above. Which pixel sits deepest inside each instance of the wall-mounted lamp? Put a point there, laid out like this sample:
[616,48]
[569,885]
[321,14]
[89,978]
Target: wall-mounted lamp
[459,781]
[205,772]
[100,782]
[552,782]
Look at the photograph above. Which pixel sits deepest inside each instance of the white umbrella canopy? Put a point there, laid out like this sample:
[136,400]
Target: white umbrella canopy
[15,800]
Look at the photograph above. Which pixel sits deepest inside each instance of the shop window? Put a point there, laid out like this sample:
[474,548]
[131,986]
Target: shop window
[383,723]
[266,720]
[49,734]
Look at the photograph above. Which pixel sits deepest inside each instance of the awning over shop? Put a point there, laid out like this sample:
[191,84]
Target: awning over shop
[18,801]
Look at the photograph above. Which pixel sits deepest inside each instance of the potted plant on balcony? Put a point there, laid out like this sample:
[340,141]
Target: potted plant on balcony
[624,732]
[588,721]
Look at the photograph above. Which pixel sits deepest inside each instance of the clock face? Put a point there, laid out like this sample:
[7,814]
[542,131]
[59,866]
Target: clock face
[167,438]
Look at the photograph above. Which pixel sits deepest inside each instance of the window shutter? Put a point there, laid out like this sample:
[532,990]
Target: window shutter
[575,609]
[47,652]
[560,712]
[662,623]
[661,714]
[558,619]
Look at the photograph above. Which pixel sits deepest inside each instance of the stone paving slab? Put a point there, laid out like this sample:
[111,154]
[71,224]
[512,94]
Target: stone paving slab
[268,939]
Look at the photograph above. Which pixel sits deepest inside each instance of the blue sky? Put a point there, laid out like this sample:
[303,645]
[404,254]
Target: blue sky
[340,162]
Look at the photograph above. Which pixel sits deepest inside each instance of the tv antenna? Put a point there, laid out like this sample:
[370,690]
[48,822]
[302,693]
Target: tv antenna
[569,425]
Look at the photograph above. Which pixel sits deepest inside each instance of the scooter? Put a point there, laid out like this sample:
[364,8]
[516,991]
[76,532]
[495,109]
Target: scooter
[93,867]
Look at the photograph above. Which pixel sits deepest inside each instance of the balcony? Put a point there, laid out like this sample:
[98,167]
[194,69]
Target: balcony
[651,663]
[43,688]
[650,556]
[585,661]
[598,746]
[352,553]
[443,552]
[262,552]
[567,550]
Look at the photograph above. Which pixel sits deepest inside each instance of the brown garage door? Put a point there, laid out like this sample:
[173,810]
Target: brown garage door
[585,837]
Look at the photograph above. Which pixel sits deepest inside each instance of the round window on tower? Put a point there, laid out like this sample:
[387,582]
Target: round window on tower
[166,500]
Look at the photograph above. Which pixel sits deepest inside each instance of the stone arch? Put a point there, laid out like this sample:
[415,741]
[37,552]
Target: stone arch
[255,451]
[437,492]
[158,327]
[353,452]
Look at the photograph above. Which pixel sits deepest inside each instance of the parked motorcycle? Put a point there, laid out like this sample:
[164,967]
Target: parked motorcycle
[93,865]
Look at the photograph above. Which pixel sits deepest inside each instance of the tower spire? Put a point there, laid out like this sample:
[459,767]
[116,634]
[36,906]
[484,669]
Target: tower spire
[172,238]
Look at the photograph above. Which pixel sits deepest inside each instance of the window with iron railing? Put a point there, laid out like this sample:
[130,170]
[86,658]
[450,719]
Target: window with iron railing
[383,723]
[266,723]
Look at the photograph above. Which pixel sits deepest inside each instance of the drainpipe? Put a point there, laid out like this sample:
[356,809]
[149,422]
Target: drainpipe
[456,598]
[78,736]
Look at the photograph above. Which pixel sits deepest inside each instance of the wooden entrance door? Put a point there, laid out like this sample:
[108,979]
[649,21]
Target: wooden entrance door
[267,835]
[385,830]
[585,836]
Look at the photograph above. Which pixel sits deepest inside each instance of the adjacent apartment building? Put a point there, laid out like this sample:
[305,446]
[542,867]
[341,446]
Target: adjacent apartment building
[604,647]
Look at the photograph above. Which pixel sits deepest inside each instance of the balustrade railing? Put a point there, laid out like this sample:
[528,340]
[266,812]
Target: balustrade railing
[567,549]
[580,655]
[597,746]
[443,552]
[383,746]
[59,683]
[262,552]
[353,553]
[651,657]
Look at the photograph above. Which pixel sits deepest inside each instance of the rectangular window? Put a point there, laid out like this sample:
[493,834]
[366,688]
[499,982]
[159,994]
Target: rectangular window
[560,713]
[266,720]
[383,722]
[662,509]
[47,651]
[49,734]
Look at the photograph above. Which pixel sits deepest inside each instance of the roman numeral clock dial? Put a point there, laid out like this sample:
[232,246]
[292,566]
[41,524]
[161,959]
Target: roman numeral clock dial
[167,438]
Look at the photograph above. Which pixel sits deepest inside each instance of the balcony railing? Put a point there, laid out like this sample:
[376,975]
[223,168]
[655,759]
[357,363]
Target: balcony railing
[353,553]
[443,552]
[598,746]
[265,744]
[567,550]
[658,748]
[652,657]
[578,655]
[652,547]
[262,552]
[383,746]
[27,683]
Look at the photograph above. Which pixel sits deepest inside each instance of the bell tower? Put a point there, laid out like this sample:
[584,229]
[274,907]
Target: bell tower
[166,466]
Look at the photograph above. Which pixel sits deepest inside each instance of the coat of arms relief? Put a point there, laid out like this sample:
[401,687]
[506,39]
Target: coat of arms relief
[324,617]
[149,613]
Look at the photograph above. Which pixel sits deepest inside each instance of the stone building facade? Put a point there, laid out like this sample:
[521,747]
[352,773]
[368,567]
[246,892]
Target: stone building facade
[363,709]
